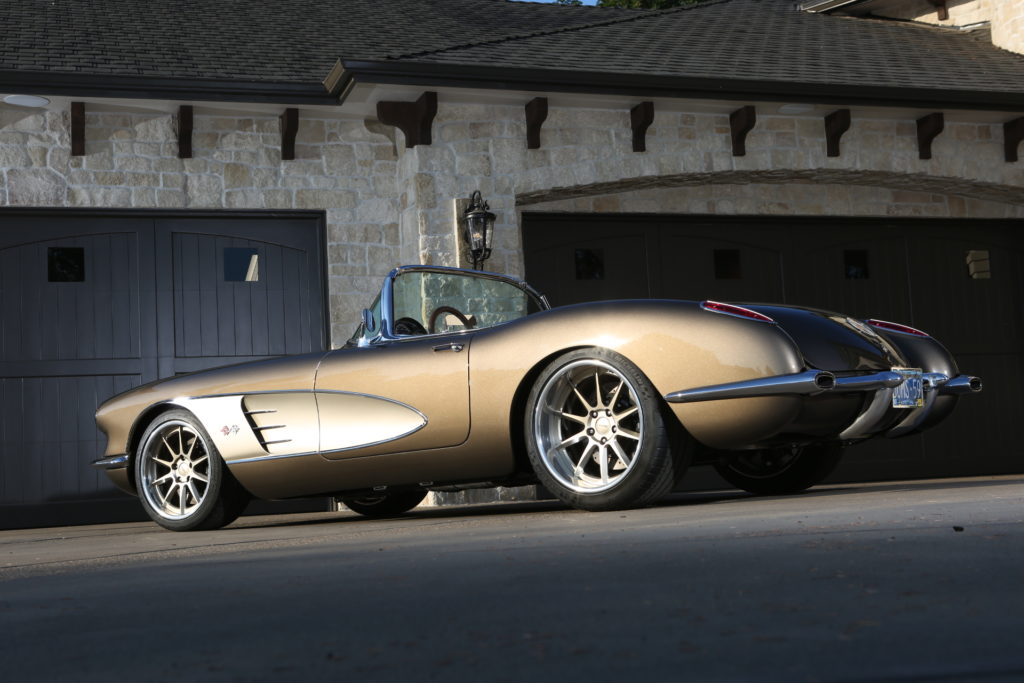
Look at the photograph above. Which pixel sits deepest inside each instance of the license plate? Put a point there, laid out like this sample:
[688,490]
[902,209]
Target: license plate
[910,394]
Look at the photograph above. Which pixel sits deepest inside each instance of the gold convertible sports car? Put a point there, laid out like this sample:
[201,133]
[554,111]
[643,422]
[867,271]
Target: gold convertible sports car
[461,379]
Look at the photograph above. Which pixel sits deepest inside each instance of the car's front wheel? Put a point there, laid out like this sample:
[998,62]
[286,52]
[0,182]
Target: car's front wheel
[596,434]
[182,481]
[779,471]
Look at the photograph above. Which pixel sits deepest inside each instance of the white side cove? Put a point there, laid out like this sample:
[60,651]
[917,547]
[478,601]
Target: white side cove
[349,421]
[261,426]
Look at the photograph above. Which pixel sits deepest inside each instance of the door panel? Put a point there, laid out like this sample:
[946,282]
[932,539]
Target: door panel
[433,382]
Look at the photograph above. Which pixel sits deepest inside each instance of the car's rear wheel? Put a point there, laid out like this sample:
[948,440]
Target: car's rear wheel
[779,471]
[386,504]
[596,434]
[182,481]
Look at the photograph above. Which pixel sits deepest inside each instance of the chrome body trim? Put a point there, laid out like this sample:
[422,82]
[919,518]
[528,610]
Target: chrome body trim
[113,462]
[877,380]
[868,422]
[807,383]
[962,384]
[260,458]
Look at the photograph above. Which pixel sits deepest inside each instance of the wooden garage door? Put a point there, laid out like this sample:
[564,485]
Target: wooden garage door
[960,280]
[95,303]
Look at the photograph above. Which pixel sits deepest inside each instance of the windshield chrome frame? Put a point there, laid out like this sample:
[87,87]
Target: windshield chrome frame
[386,332]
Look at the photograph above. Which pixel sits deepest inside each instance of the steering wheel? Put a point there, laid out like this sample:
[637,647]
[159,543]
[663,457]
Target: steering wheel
[408,326]
[466,321]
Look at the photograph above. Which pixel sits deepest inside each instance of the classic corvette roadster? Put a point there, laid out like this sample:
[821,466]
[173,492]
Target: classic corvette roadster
[461,379]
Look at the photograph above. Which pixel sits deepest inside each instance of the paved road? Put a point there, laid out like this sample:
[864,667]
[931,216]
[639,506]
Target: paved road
[906,581]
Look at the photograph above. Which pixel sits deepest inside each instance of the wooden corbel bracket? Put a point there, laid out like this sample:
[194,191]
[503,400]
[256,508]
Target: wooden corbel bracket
[741,121]
[1013,135]
[640,118]
[77,129]
[414,119]
[836,125]
[185,131]
[289,129]
[928,128]
[940,9]
[536,115]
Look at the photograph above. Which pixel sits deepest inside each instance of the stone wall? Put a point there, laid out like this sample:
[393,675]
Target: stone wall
[1006,17]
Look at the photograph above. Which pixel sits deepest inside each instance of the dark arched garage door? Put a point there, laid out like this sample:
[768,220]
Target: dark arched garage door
[960,280]
[93,303]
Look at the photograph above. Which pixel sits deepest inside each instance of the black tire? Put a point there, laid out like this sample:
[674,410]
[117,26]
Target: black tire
[780,471]
[611,454]
[386,504]
[174,458]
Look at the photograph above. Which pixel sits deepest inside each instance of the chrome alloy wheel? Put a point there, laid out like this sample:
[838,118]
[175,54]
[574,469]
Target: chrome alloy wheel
[175,472]
[588,426]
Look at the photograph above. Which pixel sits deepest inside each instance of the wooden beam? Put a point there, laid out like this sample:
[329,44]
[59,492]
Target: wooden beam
[536,114]
[836,125]
[289,129]
[940,9]
[1013,135]
[77,129]
[928,128]
[185,131]
[414,119]
[741,121]
[641,117]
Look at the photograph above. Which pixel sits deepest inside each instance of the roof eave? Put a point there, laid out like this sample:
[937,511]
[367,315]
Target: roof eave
[72,84]
[650,85]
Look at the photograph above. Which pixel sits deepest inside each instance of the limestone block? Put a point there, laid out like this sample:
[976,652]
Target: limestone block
[322,199]
[35,187]
[170,198]
[204,190]
[243,199]
[237,175]
[12,156]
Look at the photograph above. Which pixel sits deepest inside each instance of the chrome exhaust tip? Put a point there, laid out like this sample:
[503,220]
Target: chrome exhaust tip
[825,381]
[962,384]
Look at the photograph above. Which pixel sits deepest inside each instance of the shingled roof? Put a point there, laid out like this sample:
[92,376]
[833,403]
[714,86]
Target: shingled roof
[240,42]
[738,49]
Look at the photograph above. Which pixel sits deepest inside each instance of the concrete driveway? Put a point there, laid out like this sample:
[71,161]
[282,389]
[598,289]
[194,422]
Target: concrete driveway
[903,581]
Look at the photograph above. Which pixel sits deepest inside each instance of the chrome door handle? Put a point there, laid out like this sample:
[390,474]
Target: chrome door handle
[451,346]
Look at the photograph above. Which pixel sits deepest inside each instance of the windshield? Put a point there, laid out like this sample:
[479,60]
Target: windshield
[427,302]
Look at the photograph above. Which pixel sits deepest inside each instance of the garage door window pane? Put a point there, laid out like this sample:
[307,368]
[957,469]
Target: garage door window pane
[590,264]
[855,263]
[241,264]
[978,264]
[66,264]
[727,264]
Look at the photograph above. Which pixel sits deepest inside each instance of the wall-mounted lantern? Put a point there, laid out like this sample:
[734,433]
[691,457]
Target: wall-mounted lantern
[478,230]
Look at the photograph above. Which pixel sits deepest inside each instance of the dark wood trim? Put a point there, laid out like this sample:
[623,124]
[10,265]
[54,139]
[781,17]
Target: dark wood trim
[77,129]
[536,115]
[928,128]
[741,122]
[940,9]
[836,125]
[650,86]
[289,129]
[414,119]
[640,118]
[185,131]
[144,88]
[1013,135]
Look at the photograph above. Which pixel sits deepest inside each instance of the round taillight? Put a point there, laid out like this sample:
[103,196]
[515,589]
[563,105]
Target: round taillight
[738,311]
[896,327]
